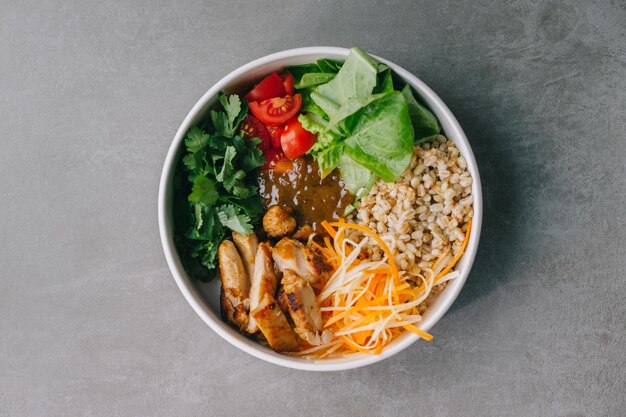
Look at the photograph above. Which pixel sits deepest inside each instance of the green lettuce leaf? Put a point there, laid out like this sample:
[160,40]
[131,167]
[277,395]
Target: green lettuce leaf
[321,66]
[356,78]
[351,106]
[425,124]
[309,106]
[329,157]
[358,179]
[320,127]
[382,137]
[384,82]
[313,78]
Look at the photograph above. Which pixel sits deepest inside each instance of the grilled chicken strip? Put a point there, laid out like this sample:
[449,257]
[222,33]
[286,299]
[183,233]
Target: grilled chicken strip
[262,282]
[274,325]
[281,299]
[304,260]
[247,246]
[303,233]
[234,297]
[278,221]
[304,309]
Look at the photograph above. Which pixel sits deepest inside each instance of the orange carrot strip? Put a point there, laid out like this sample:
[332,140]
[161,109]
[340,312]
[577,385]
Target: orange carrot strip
[385,271]
[329,229]
[379,240]
[354,346]
[353,310]
[359,337]
[319,247]
[421,333]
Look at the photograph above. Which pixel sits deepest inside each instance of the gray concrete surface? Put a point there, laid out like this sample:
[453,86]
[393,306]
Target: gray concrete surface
[91,322]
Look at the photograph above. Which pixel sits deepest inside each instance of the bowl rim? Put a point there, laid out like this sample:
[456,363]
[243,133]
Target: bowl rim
[196,300]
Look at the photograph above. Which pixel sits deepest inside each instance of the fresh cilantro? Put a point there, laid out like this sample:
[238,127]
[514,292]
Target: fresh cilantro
[203,191]
[251,158]
[227,165]
[192,162]
[220,186]
[231,217]
[196,139]
[225,123]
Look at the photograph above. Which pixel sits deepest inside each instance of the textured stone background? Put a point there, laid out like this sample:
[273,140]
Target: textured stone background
[91,321]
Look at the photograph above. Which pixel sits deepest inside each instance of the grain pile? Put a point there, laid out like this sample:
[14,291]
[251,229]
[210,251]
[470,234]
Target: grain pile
[425,212]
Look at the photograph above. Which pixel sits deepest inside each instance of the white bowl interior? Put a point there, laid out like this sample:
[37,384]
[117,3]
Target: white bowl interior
[204,297]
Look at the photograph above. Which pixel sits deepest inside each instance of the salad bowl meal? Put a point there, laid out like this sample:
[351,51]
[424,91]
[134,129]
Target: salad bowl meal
[320,208]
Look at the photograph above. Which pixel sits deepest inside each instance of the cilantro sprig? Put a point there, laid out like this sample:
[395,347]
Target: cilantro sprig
[220,170]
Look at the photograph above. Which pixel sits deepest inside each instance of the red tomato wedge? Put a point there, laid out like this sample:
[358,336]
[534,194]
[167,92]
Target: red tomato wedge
[269,87]
[276,111]
[251,127]
[287,81]
[273,158]
[296,140]
[275,132]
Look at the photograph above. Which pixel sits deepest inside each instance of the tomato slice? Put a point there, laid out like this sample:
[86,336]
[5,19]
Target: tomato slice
[269,87]
[296,140]
[251,127]
[275,132]
[287,81]
[273,157]
[277,110]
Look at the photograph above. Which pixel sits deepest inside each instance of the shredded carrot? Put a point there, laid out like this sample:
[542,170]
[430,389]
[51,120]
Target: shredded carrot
[321,248]
[377,271]
[366,303]
[328,229]
[359,337]
[421,333]
[353,345]
[379,240]
[353,310]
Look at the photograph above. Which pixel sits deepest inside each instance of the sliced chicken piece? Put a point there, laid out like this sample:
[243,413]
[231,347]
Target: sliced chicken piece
[304,309]
[304,260]
[303,233]
[247,245]
[263,281]
[283,303]
[274,325]
[234,296]
[278,221]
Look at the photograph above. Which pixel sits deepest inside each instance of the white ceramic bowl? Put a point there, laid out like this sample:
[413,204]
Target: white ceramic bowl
[204,298]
